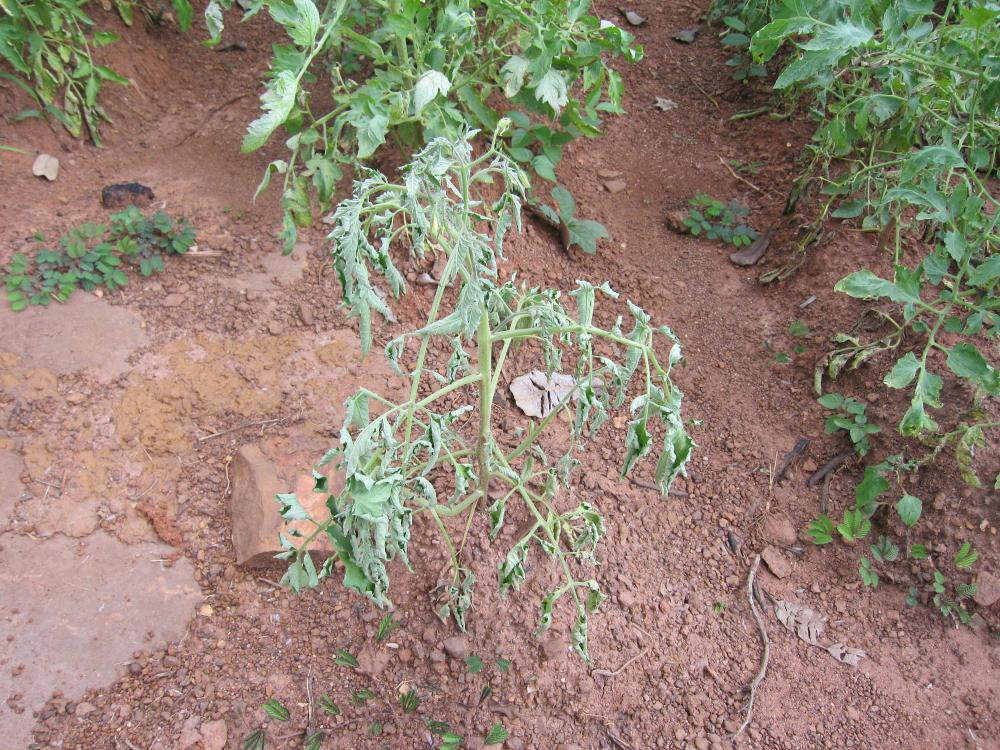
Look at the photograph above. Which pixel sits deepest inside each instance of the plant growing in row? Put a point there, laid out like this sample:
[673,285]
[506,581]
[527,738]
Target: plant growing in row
[435,450]
[717,220]
[49,47]
[95,255]
[408,71]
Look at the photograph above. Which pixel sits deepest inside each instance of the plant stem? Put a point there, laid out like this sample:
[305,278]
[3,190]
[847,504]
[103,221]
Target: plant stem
[485,401]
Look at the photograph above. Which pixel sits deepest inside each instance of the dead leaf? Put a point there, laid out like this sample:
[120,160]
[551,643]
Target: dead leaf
[686,36]
[753,252]
[632,17]
[46,166]
[665,105]
[537,394]
[806,623]
[846,654]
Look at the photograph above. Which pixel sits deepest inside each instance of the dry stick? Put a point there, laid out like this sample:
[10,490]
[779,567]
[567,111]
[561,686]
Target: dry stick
[794,453]
[767,647]
[738,177]
[829,467]
[688,76]
[146,491]
[211,113]
[609,673]
[239,427]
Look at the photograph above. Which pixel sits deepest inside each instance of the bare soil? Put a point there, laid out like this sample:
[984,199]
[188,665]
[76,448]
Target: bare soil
[242,341]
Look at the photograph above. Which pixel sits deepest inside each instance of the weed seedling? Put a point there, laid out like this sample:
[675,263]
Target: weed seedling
[719,221]
[850,418]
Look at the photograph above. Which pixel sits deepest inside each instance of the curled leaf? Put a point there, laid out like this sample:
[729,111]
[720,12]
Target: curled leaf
[846,654]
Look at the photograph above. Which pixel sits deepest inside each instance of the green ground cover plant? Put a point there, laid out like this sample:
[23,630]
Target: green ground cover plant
[718,220]
[434,451]
[95,255]
[355,76]
[905,96]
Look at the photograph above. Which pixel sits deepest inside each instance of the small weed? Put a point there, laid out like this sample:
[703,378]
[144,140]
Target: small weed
[503,664]
[314,741]
[375,729]
[385,628]
[854,527]
[409,701]
[255,740]
[328,707]
[91,256]
[719,607]
[345,659]
[496,735]
[361,696]
[475,664]
[850,418]
[276,710]
[742,167]
[719,221]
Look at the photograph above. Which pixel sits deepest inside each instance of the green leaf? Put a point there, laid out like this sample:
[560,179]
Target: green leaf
[871,486]
[821,530]
[909,509]
[503,664]
[798,328]
[551,90]
[866,285]
[966,556]
[965,360]
[474,663]
[585,233]
[345,659]
[496,735]
[831,400]
[428,87]
[184,14]
[903,371]
[986,272]
[564,200]
[277,100]
[276,710]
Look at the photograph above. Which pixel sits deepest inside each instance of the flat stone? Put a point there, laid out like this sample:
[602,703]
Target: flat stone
[72,612]
[615,186]
[174,299]
[373,660]
[83,333]
[11,488]
[778,528]
[214,735]
[987,589]
[259,474]
[776,562]
[278,269]
[65,514]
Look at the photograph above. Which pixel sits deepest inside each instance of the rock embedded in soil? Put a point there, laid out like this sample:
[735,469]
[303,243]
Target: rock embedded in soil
[174,299]
[776,562]
[258,476]
[778,528]
[124,194]
[457,647]
[987,589]
[615,186]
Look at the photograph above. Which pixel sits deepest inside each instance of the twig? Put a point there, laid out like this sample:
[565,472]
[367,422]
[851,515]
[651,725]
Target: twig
[609,673]
[309,695]
[239,427]
[693,82]
[800,445]
[270,583]
[146,491]
[738,176]
[211,113]
[829,467]
[229,460]
[767,646]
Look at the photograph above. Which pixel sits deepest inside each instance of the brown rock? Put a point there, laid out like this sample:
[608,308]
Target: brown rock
[778,528]
[987,589]
[457,647]
[214,735]
[172,300]
[776,562]
[258,476]
[615,186]
[372,661]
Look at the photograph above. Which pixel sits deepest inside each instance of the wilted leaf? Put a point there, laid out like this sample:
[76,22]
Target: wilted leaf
[665,105]
[806,623]
[537,394]
[46,166]
[846,654]
[686,36]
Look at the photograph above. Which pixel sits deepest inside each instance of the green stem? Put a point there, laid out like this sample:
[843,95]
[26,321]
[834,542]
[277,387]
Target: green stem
[485,400]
